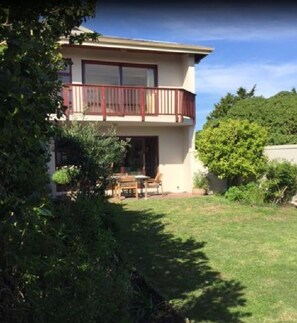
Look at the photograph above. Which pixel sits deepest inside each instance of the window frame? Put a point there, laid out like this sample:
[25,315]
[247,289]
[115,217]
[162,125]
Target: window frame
[120,65]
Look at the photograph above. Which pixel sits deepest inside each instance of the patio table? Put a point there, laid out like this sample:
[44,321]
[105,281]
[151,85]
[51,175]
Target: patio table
[143,179]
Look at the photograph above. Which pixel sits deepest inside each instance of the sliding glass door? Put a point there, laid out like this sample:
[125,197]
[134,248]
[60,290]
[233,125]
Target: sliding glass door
[142,157]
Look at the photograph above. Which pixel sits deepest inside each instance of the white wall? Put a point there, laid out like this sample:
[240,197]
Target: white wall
[279,152]
[189,73]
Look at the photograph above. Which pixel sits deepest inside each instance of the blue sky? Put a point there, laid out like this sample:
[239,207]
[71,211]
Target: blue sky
[253,45]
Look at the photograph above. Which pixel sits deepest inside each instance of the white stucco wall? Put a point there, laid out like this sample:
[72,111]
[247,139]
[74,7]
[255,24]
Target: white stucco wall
[188,69]
[280,152]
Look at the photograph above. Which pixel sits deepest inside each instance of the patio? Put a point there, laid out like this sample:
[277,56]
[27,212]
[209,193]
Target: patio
[125,185]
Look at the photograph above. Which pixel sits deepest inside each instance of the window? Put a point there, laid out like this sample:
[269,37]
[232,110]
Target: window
[66,73]
[101,74]
[135,76]
[119,74]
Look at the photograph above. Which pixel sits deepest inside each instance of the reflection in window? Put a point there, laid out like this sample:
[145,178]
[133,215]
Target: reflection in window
[102,74]
[119,74]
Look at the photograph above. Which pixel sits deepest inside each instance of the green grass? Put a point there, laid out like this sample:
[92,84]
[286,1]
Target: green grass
[215,260]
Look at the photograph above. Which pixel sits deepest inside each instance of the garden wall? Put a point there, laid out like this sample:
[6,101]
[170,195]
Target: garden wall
[279,152]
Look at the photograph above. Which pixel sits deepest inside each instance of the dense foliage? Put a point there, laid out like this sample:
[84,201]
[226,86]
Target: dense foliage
[64,266]
[227,102]
[90,156]
[233,149]
[277,185]
[277,113]
[29,92]
[58,262]
[280,181]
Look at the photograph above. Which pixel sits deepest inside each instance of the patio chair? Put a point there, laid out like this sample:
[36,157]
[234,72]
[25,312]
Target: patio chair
[128,184]
[156,183]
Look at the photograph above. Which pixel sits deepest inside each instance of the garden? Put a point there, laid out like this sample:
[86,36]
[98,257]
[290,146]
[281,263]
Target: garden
[215,260]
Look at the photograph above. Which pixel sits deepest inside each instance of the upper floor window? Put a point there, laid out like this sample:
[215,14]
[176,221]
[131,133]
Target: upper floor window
[66,73]
[119,74]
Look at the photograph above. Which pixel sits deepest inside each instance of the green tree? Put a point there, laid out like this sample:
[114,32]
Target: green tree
[35,247]
[29,93]
[92,153]
[233,150]
[277,113]
[227,102]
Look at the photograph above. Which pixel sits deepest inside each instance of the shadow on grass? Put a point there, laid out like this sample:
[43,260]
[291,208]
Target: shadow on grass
[178,269]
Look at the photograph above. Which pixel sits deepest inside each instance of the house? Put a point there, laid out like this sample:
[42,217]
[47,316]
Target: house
[146,89]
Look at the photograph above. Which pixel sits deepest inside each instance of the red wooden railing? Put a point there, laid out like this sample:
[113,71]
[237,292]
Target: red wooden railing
[109,100]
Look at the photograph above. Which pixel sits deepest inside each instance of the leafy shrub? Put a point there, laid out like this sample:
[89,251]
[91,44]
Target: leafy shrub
[65,175]
[233,150]
[92,152]
[65,266]
[250,194]
[277,186]
[200,180]
[280,181]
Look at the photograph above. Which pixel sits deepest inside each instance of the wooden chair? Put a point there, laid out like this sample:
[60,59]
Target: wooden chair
[127,183]
[156,183]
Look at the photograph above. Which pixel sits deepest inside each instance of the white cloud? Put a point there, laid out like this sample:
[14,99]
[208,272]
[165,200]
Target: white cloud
[268,78]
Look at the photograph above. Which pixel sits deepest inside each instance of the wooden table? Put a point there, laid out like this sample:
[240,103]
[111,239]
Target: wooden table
[143,179]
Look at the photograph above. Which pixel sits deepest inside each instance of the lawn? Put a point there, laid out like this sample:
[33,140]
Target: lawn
[215,260]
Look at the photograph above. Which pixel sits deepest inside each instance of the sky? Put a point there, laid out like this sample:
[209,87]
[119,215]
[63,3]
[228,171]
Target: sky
[253,44]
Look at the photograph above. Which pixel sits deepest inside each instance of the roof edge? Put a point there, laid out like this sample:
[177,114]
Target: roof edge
[149,45]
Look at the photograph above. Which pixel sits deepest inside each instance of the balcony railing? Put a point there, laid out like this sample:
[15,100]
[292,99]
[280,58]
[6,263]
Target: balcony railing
[105,100]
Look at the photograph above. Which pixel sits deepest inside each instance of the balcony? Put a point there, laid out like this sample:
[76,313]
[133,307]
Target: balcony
[145,103]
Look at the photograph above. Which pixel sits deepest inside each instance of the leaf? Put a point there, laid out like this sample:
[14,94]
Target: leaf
[42,211]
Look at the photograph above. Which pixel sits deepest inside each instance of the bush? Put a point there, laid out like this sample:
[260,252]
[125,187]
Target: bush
[278,186]
[92,153]
[65,266]
[200,180]
[250,193]
[66,175]
[233,150]
[280,181]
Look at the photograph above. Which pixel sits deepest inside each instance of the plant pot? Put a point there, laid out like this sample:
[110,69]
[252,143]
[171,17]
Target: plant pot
[199,191]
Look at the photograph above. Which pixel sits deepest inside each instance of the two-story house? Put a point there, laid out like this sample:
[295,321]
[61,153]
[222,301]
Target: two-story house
[146,89]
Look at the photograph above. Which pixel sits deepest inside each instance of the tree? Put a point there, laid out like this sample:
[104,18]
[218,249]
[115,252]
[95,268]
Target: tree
[90,156]
[277,113]
[233,150]
[32,244]
[29,93]
[227,102]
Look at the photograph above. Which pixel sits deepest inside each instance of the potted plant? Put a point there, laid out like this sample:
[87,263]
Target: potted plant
[200,183]
[66,176]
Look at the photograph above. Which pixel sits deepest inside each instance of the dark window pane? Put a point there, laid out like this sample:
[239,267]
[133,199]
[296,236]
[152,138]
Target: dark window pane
[136,76]
[101,74]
